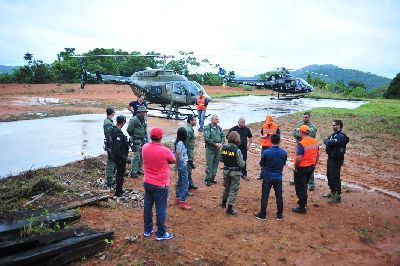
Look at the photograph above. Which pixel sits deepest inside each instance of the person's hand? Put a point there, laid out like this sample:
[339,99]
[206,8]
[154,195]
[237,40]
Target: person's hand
[218,145]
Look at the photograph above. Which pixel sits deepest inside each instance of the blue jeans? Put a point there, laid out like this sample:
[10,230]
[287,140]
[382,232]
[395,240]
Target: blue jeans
[159,196]
[266,188]
[202,115]
[182,184]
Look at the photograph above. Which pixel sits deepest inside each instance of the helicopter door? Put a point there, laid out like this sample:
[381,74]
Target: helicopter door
[178,93]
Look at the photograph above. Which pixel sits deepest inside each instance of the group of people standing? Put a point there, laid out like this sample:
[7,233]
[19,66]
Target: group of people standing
[151,159]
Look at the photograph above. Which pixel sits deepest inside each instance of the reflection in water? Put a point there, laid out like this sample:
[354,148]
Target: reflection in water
[57,141]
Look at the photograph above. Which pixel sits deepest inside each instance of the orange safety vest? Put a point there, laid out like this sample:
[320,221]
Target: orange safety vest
[270,130]
[310,155]
[201,102]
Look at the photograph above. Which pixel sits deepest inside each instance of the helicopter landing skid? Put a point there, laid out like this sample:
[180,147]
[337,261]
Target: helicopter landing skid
[288,97]
[169,114]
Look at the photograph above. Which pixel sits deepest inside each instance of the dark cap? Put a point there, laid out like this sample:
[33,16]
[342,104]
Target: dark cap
[110,110]
[156,133]
[121,119]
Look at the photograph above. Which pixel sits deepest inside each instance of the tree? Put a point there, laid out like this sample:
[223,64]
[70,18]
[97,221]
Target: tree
[28,57]
[393,91]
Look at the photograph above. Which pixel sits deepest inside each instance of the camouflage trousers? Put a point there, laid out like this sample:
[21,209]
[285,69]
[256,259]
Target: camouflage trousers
[231,186]
[110,172]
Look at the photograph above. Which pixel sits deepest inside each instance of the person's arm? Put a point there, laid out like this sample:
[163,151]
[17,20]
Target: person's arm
[278,131]
[170,156]
[313,130]
[239,159]
[222,135]
[299,156]
[131,125]
[339,139]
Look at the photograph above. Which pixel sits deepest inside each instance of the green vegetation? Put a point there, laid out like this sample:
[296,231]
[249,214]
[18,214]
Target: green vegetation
[393,91]
[67,69]
[377,116]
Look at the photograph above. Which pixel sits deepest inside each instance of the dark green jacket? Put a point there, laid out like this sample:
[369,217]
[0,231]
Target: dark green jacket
[313,130]
[213,135]
[190,141]
[107,126]
[137,128]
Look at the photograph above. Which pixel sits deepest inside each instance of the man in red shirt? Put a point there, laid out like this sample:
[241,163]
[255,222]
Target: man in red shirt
[156,160]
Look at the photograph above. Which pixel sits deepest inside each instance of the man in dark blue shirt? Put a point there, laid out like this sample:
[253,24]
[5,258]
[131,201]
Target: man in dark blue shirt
[134,105]
[272,162]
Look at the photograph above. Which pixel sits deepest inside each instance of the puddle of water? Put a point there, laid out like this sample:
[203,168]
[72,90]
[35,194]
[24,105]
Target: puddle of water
[32,144]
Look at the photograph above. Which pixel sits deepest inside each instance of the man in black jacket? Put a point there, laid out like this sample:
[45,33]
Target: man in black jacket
[119,153]
[335,148]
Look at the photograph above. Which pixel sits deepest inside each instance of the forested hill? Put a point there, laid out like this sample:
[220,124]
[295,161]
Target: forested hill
[6,69]
[331,73]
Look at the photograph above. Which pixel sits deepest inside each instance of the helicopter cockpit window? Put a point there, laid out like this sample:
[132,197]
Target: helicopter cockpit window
[178,89]
[156,89]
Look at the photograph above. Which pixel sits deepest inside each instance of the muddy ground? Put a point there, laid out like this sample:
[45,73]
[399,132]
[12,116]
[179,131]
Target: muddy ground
[363,229]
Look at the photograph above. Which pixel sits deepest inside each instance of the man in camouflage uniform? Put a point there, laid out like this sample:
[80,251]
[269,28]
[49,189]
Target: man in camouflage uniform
[191,122]
[313,132]
[233,161]
[137,130]
[213,138]
[108,124]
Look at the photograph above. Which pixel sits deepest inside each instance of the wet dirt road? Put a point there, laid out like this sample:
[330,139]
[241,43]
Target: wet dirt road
[31,144]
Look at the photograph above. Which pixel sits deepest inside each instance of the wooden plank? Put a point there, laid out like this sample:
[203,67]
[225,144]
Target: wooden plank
[14,228]
[22,244]
[40,254]
[13,216]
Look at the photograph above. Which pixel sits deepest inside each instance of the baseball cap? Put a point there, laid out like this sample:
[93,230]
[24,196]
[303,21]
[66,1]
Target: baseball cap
[121,119]
[156,133]
[304,128]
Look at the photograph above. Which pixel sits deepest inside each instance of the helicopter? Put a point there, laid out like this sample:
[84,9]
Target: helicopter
[280,81]
[159,86]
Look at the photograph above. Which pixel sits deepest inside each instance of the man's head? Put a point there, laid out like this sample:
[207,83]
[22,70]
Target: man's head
[306,117]
[110,111]
[275,139]
[121,120]
[156,134]
[200,92]
[337,125]
[191,120]
[241,122]
[142,111]
[234,138]
[269,119]
[304,131]
[214,120]
[140,98]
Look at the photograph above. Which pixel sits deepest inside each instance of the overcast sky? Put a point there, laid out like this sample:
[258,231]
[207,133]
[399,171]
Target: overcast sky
[363,35]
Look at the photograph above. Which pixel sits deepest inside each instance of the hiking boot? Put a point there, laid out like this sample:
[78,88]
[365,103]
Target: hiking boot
[184,205]
[148,233]
[208,183]
[166,236]
[193,186]
[259,216]
[223,204]
[299,210]
[231,210]
[327,195]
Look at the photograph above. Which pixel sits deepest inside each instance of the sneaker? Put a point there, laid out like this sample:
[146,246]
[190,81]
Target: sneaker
[259,177]
[214,181]
[177,201]
[166,236]
[184,205]
[299,210]
[148,233]
[260,217]
[279,217]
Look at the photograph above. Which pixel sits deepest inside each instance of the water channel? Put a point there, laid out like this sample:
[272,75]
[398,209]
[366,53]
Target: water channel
[32,144]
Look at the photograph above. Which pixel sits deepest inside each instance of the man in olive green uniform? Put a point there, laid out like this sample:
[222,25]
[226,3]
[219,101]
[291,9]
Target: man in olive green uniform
[214,138]
[313,132]
[108,124]
[191,122]
[233,161]
[137,130]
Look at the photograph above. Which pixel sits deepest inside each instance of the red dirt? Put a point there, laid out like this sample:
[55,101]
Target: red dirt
[363,229]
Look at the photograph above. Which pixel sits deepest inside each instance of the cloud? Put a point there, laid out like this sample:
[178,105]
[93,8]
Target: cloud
[351,34]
